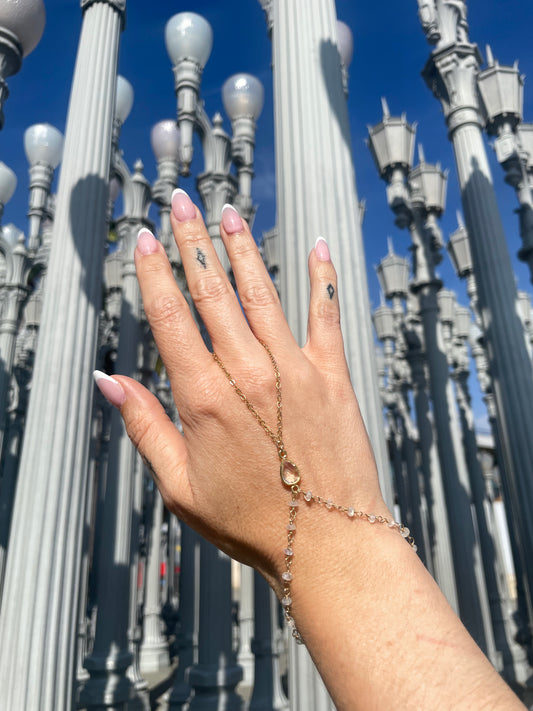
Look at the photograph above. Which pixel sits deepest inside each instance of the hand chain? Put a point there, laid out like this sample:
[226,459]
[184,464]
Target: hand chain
[290,476]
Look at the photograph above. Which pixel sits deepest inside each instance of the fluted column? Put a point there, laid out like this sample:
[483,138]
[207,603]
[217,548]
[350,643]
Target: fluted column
[267,693]
[42,576]
[450,73]
[109,686]
[316,192]
[316,195]
[154,648]
[216,674]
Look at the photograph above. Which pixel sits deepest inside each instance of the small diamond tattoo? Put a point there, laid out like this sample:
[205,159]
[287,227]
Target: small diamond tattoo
[331,291]
[201,258]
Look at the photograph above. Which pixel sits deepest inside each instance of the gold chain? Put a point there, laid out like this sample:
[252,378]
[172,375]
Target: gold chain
[290,476]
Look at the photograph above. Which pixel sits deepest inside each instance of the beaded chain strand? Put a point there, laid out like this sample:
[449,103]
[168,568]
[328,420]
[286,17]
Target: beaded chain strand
[290,476]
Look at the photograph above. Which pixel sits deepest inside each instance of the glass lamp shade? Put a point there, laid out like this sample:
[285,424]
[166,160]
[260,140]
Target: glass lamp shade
[113,267]
[123,99]
[431,181]
[523,305]
[188,36]
[462,322]
[243,96]
[383,319]
[502,95]
[525,135]
[393,275]
[165,140]
[26,20]
[8,183]
[115,186]
[392,143]
[43,144]
[33,310]
[345,43]
[447,304]
[12,234]
[459,251]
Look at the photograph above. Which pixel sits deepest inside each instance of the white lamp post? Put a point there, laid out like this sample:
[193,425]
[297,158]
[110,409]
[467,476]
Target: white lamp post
[43,145]
[8,185]
[165,140]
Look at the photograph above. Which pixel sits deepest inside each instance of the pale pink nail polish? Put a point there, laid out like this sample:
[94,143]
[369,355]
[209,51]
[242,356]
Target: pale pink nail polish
[231,220]
[110,388]
[182,206]
[322,250]
[146,242]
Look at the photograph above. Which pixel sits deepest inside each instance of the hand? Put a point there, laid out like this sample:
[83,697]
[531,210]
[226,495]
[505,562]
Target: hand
[222,475]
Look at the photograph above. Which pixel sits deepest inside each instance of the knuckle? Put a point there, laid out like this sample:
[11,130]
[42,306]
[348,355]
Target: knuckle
[257,294]
[208,288]
[164,308]
[204,399]
[327,312]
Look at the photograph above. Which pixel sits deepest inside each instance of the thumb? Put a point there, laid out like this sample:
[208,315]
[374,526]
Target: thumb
[153,434]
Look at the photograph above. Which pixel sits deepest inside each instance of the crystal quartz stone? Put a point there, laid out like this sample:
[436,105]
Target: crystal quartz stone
[372,518]
[391,524]
[308,496]
[329,503]
[351,512]
[286,601]
[288,551]
[291,527]
[289,472]
[293,503]
[405,532]
[287,576]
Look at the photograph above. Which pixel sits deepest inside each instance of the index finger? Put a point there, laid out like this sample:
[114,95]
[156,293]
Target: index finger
[175,332]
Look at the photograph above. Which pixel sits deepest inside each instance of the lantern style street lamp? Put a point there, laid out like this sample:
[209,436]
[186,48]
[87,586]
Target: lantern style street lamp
[8,185]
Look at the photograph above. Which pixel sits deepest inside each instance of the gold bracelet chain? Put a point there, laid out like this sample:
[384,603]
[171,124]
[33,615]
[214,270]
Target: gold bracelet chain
[290,476]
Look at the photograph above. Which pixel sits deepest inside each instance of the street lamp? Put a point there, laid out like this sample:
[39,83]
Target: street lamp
[189,40]
[165,141]
[43,145]
[345,47]
[21,28]
[243,97]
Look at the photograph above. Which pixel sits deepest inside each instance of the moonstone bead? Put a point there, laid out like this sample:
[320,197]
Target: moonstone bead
[405,532]
[351,512]
[288,551]
[308,496]
[287,576]
[291,527]
[372,518]
[293,503]
[329,504]
[286,601]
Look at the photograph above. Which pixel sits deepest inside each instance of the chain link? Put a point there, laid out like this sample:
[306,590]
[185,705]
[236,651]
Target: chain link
[276,438]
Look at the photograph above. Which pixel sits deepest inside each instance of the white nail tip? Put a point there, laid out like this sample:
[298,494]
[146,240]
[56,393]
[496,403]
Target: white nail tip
[320,239]
[178,191]
[98,375]
[227,206]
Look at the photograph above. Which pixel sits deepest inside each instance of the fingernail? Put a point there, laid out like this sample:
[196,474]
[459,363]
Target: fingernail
[322,250]
[182,206]
[231,220]
[146,242]
[110,388]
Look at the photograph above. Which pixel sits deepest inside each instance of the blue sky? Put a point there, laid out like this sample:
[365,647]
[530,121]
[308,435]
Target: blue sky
[390,51]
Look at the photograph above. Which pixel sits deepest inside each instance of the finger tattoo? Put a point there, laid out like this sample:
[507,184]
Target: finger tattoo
[331,291]
[201,258]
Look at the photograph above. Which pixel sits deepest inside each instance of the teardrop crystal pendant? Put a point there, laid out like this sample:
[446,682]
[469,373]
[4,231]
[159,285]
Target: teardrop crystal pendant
[289,472]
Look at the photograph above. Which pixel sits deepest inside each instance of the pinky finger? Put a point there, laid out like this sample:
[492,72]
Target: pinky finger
[324,337]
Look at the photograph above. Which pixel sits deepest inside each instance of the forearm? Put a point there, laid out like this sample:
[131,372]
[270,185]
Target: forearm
[392,641]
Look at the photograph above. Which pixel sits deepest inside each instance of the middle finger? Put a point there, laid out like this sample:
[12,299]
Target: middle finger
[208,283]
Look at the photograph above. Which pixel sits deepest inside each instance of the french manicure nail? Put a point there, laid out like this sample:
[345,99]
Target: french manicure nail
[146,242]
[231,220]
[322,250]
[182,206]
[110,388]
